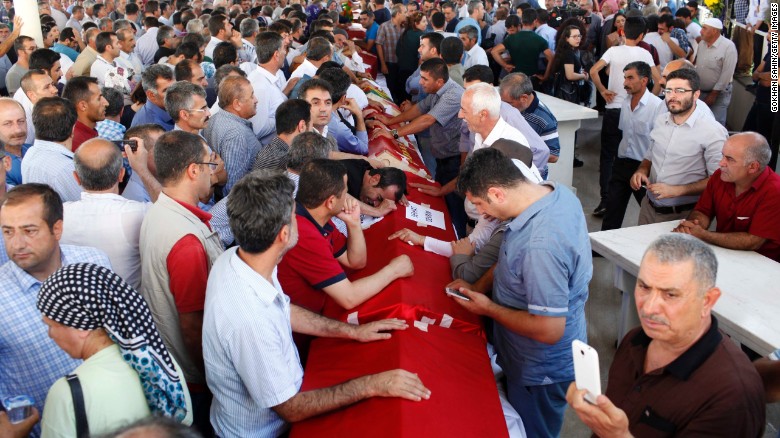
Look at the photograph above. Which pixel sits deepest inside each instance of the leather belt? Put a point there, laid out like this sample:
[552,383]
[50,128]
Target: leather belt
[674,209]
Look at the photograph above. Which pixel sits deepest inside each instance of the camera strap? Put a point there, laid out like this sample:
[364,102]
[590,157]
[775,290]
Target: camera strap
[82,426]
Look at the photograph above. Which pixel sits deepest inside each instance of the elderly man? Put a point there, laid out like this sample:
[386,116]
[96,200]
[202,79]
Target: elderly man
[13,134]
[230,132]
[31,221]
[474,54]
[716,60]
[268,80]
[101,218]
[248,324]
[178,249]
[186,104]
[677,373]
[680,159]
[90,104]
[155,80]
[744,196]
[540,284]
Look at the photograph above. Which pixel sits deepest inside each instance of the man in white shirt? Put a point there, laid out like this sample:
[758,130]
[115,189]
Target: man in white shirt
[249,30]
[146,45]
[105,69]
[658,35]
[36,84]
[473,53]
[101,218]
[127,56]
[266,83]
[319,52]
[221,31]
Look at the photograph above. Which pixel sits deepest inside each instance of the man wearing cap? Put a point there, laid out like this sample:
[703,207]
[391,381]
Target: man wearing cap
[715,62]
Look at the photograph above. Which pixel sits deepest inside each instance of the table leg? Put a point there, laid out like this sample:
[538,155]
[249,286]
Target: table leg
[625,282]
[562,170]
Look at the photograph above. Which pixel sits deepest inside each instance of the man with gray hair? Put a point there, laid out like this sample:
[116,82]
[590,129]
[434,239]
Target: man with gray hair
[156,80]
[167,42]
[186,104]
[249,30]
[101,218]
[268,80]
[476,11]
[677,373]
[319,52]
[744,196]
[474,53]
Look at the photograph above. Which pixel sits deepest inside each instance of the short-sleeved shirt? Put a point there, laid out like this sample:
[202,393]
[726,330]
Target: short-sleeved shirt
[387,36]
[444,106]
[311,265]
[544,268]
[715,64]
[371,32]
[617,58]
[755,211]
[251,361]
[712,389]
[524,48]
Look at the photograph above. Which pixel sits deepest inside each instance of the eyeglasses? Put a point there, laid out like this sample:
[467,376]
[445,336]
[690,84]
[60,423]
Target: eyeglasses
[197,110]
[575,36]
[212,166]
[668,91]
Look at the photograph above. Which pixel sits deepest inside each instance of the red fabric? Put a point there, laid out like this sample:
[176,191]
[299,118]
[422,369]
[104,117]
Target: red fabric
[409,155]
[759,206]
[358,34]
[311,265]
[453,365]
[81,133]
[372,61]
[188,267]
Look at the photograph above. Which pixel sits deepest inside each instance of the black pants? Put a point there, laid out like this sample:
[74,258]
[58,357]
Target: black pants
[610,140]
[758,45]
[448,169]
[761,119]
[620,192]
[201,412]
[393,78]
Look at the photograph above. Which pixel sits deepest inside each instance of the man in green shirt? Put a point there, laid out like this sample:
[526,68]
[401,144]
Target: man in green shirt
[525,48]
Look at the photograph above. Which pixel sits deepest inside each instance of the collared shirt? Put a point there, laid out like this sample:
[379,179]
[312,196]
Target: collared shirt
[637,124]
[617,57]
[132,63]
[110,223]
[499,30]
[273,156]
[221,223]
[741,9]
[232,138]
[501,130]
[108,74]
[209,52]
[30,361]
[444,106]
[135,190]
[306,68]
[312,265]
[151,113]
[65,50]
[665,54]
[21,97]
[247,52]
[146,46]
[716,63]
[544,268]
[682,38]
[356,143]
[468,21]
[251,361]
[269,97]
[757,11]
[51,163]
[548,33]
[295,178]
[75,24]
[82,133]
[754,211]
[110,130]
[387,36]
[544,123]
[681,154]
[711,389]
[475,56]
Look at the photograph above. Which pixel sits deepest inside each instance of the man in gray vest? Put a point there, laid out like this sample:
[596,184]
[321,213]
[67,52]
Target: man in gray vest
[178,248]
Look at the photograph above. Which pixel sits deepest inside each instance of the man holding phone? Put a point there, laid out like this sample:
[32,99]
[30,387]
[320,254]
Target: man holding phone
[676,374]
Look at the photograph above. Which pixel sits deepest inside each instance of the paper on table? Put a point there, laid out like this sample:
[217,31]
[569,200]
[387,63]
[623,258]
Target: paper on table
[425,215]
[366,221]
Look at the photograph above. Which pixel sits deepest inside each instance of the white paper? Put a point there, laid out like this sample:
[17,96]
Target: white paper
[352,318]
[366,221]
[427,320]
[421,325]
[446,321]
[425,215]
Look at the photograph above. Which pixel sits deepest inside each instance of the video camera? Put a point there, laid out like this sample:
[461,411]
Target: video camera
[558,15]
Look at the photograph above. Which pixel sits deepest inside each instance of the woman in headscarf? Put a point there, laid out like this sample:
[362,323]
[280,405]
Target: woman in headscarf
[127,373]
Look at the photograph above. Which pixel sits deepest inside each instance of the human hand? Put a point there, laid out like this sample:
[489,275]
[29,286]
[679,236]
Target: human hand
[405,105]
[397,383]
[18,23]
[710,99]
[373,331]
[509,68]
[408,236]
[352,106]
[350,213]
[386,206]
[603,418]
[381,133]
[463,246]
[376,164]
[383,68]
[690,227]
[608,95]
[138,159]
[479,304]
[235,38]
[290,85]
[376,105]
[219,176]
[460,283]
[401,266]
[639,179]
[18,430]
[664,191]
[427,189]
[404,201]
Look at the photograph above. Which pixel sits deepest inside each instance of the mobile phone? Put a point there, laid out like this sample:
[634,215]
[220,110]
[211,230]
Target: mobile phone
[122,143]
[586,369]
[455,293]
[18,408]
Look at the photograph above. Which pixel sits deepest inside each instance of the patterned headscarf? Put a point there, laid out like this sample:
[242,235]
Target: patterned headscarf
[88,297]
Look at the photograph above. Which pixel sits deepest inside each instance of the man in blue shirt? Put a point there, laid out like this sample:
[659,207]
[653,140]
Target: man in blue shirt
[540,284]
[13,133]
[351,135]
[368,23]
[476,15]
[155,80]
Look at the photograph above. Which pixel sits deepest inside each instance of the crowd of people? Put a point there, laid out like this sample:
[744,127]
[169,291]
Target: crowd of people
[185,184]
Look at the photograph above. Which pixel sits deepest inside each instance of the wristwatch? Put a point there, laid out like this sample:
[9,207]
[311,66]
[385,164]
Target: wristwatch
[395,133]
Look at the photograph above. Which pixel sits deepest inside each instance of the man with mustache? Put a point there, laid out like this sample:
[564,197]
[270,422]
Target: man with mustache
[637,116]
[680,158]
[186,104]
[13,132]
[90,104]
[677,374]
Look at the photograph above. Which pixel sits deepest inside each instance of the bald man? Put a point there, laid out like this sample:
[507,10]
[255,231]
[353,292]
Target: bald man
[13,134]
[36,84]
[102,218]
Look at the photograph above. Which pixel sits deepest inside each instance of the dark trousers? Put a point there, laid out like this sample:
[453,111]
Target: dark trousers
[201,412]
[610,140]
[448,169]
[758,46]
[761,119]
[393,80]
[620,192]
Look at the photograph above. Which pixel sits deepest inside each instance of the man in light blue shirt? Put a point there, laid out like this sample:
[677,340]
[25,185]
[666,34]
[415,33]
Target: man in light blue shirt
[351,135]
[540,284]
[155,80]
[252,364]
[30,362]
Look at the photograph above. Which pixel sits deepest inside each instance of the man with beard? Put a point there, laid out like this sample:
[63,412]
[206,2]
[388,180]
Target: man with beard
[85,94]
[685,148]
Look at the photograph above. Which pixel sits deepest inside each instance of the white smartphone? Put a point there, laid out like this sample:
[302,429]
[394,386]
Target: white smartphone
[586,369]
[456,293]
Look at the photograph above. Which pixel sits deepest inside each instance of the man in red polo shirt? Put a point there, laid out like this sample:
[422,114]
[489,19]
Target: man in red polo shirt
[744,196]
[85,94]
[316,264]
